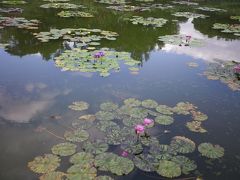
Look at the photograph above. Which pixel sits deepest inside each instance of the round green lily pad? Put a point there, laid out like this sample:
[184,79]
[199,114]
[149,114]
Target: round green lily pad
[76,135]
[195,126]
[211,151]
[145,162]
[199,116]
[44,164]
[82,124]
[187,165]
[104,115]
[149,103]
[182,144]
[79,106]
[168,169]
[104,125]
[64,149]
[96,147]
[164,120]
[131,121]
[114,163]
[77,171]
[82,158]
[132,102]
[88,117]
[163,109]
[55,175]
[108,106]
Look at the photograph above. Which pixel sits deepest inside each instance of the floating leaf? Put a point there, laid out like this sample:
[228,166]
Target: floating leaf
[113,163]
[195,126]
[168,169]
[104,115]
[183,108]
[149,103]
[185,3]
[150,21]
[82,124]
[132,102]
[131,121]
[74,14]
[163,109]
[227,28]
[145,162]
[104,178]
[182,144]
[108,106]
[88,117]
[76,135]
[64,149]
[111,1]
[61,6]
[19,22]
[12,2]
[181,40]
[82,158]
[164,120]
[162,151]
[211,9]
[187,165]
[199,116]
[79,106]
[96,147]
[211,151]
[78,172]
[55,175]
[44,164]
[104,125]
[189,15]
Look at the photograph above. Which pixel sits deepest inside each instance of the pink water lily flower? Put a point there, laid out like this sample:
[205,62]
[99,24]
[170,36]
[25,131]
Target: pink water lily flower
[237,68]
[124,154]
[139,129]
[147,121]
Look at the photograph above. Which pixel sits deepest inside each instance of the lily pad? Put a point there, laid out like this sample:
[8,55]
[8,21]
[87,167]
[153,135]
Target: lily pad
[104,125]
[195,126]
[76,135]
[235,18]
[78,172]
[55,175]
[111,1]
[44,164]
[87,117]
[64,149]
[82,158]
[104,178]
[61,6]
[199,116]
[66,14]
[79,106]
[189,15]
[11,10]
[227,28]
[149,103]
[211,9]
[162,151]
[163,109]
[108,106]
[96,147]
[19,22]
[182,144]
[82,124]
[138,112]
[181,40]
[185,3]
[150,21]
[145,162]
[131,121]
[164,120]
[187,165]
[113,163]
[168,169]
[184,108]
[132,102]
[211,151]
[114,135]
[104,115]
[12,2]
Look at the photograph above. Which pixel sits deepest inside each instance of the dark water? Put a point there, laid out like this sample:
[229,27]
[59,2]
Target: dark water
[32,88]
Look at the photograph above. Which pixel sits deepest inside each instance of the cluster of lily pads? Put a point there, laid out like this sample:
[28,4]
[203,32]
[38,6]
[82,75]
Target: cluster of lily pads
[181,40]
[211,9]
[116,2]
[226,72]
[61,6]
[189,15]
[103,61]
[74,14]
[11,10]
[185,3]
[82,36]
[228,28]
[18,22]
[128,8]
[149,21]
[235,18]
[128,128]
[56,1]
[14,2]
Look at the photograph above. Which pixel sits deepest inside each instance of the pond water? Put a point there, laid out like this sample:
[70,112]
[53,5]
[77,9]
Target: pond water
[35,93]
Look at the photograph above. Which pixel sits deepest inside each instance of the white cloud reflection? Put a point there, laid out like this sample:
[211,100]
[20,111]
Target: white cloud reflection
[213,49]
